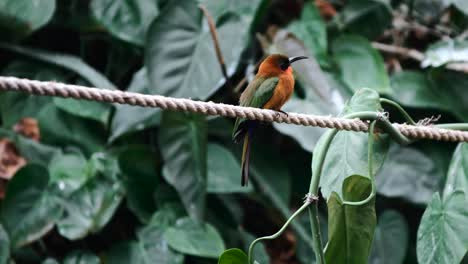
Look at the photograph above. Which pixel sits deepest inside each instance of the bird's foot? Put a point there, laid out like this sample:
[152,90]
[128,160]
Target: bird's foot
[278,112]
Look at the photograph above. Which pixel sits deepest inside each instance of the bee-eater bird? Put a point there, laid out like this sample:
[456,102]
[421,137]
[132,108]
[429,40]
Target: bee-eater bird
[270,89]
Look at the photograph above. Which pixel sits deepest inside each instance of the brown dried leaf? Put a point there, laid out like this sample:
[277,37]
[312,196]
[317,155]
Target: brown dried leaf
[10,159]
[28,127]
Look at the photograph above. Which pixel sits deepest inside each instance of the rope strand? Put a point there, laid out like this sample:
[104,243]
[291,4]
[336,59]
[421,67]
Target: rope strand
[210,108]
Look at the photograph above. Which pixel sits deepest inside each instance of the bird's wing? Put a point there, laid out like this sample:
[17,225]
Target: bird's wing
[261,92]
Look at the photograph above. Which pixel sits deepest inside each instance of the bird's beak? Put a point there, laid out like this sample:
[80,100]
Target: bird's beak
[293,59]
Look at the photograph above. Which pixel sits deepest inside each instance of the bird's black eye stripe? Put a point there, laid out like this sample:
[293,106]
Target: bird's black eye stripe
[284,64]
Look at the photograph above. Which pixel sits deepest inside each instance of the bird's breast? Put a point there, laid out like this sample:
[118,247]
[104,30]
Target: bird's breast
[282,93]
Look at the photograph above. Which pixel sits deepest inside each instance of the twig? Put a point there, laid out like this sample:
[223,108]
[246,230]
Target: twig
[417,55]
[214,36]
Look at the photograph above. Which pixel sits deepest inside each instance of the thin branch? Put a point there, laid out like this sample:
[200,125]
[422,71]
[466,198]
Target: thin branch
[417,55]
[214,36]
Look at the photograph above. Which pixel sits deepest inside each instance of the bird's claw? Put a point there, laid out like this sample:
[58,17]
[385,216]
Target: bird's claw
[278,112]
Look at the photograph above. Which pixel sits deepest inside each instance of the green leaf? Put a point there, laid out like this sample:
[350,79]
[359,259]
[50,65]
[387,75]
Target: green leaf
[413,173]
[19,18]
[68,171]
[365,17]
[390,240]
[442,236]
[4,246]
[192,238]
[128,119]
[219,9]
[311,29]
[176,69]
[444,52]
[183,146]
[81,257]
[233,256]
[347,154]
[127,20]
[451,85]
[29,211]
[223,171]
[461,5]
[140,178]
[349,51]
[260,253]
[50,261]
[350,228]
[457,176]
[92,110]
[13,105]
[60,128]
[150,246]
[90,207]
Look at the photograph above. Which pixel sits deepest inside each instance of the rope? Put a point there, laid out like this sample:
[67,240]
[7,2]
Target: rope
[210,108]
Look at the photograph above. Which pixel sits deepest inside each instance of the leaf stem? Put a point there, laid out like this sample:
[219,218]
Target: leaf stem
[275,235]
[454,126]
[400,109]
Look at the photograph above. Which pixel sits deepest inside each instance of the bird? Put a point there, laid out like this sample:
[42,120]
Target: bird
[272,86]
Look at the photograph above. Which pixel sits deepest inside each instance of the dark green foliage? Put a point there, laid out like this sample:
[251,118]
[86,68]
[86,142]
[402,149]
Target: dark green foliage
[109,183]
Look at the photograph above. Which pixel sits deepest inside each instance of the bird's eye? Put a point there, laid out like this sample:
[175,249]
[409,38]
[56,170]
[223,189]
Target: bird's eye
[284,65]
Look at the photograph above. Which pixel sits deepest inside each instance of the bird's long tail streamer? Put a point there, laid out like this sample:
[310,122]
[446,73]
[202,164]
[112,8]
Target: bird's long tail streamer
[246,157]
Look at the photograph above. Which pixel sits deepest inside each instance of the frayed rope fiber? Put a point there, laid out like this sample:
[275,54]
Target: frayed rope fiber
[210,108]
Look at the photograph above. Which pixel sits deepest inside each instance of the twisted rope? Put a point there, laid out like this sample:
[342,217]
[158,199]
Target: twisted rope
[210,108]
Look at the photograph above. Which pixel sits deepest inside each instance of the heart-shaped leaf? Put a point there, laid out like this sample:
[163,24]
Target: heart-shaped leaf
[29,211]
[442,236]
[127,20]
[349,51]
[223,171]
[233,256]
[181,59]
[21,18]
[183,140]
[390,240]
[350,228]
[192,238]
[457,176]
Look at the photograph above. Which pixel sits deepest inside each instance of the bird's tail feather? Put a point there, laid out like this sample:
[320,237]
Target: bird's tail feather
[246,158]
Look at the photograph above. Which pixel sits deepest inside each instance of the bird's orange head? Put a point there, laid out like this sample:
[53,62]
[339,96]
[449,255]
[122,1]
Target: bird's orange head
[277,64]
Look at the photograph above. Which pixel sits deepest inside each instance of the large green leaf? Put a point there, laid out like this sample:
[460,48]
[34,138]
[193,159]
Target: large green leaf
[348,151]
[29,211]
[223,171]
[192,238]
[390,240]
[365,17]
[442,236]
[90,207]
[220,9]
[350,228]
[322,95]
[20,17]
[127,20]
[446,51]
[350,51]
[92,110]
[311,29]
[68,171]
[183,141]
[81,257]
[457,176]
[413,173]
[60,128]
[128,119]
[233,256]
[150,246]
[14,105]
[4,246]
[452,86]
[140,178]
[180,56]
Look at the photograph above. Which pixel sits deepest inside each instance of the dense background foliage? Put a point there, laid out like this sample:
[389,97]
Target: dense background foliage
[87,182]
